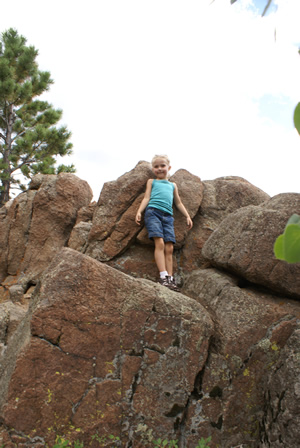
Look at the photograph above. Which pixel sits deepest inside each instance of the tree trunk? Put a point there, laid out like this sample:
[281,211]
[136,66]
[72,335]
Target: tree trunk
[6,181]
[4,193]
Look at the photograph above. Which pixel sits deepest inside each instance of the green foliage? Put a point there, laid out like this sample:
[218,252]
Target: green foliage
[103,440]
[30,140]
[287,245]
[297,118]
[63,443]
[203,443]
[165,443]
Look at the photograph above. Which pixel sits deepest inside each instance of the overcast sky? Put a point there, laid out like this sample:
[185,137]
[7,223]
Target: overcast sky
[212,85]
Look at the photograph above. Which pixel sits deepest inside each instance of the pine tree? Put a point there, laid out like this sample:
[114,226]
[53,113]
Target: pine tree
[29,139]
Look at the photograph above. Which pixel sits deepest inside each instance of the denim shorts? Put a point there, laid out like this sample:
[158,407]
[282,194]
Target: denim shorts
[159,224]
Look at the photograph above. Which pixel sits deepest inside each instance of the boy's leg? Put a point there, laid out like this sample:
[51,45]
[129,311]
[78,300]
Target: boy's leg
[168,254]
[159,254]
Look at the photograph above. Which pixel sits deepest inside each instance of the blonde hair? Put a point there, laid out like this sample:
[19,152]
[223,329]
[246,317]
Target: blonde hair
[162,156]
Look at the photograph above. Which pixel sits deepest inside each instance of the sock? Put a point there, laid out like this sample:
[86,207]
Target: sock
[163,274]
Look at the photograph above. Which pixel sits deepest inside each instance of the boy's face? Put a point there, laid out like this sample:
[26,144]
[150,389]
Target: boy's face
[160,168]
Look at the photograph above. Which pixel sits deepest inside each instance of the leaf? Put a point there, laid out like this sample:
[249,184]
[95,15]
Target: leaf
[297,118]
[291,243]
[294,219]
[287,245]
[278,248]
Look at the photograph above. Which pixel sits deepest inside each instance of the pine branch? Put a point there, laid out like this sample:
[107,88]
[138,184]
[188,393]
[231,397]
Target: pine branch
[19,134]
[25,162]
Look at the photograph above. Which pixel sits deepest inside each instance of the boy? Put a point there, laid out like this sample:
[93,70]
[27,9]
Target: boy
[158,201]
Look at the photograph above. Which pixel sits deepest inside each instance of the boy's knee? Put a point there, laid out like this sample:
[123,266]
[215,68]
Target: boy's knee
[159,243]
[169,247]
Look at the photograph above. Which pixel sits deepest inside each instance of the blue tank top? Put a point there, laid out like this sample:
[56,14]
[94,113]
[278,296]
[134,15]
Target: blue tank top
[162,193]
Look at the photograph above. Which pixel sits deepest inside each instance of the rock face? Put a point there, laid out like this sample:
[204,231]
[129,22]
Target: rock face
[281,420]
[243,244]
[38,223]
[106,353]
[221,197]
[252,337]
[91,347]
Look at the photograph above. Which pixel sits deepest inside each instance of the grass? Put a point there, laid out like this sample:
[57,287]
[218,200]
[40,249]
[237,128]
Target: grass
[158,443]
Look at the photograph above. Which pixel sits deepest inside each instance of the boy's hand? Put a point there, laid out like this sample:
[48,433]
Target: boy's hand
[189,222]
[138,218]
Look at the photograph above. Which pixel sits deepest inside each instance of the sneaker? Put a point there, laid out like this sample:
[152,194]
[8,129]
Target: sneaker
[164,281]
[172,284]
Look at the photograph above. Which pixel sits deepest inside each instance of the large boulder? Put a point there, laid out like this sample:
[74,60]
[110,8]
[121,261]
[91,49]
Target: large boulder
[280,423]
[15,222]
[221,197]
[105,353]
[38,223]
[251,348]
[113,226]
[243,244]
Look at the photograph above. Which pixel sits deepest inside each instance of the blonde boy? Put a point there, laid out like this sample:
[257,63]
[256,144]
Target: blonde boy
[158,205]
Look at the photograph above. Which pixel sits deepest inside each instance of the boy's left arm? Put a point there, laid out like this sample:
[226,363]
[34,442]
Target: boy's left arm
[182,208]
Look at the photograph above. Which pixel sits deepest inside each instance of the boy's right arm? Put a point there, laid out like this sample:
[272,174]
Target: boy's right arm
[144,202]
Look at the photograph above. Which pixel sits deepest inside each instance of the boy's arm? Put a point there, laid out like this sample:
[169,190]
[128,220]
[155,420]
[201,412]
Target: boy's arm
[144,202]
[182,208]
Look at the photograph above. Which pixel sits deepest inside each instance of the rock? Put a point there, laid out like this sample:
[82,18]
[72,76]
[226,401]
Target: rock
[10,316]
[89,351]
[114,227]
[85,214]
[115,199]
[79,236]
[16,293]
[121,237]
[14,230]
[243,244]
[106,353]
[253,330]
[221,197]
[138,261]
[39,223]
[280,424]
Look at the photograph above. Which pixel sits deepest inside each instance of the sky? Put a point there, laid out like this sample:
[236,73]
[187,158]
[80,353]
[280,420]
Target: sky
[211,84]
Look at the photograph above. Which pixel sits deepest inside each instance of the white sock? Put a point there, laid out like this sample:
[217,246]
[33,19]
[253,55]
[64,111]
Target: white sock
[163,274]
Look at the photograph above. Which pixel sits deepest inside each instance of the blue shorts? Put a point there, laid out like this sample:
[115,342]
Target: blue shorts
[159,224]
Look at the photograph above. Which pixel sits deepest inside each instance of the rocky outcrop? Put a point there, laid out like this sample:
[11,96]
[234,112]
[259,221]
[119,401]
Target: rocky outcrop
[243,244]
[106,353]
[90,346]
[221,197]
[280,421]
[112,228]
[38,223]
[254,330]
